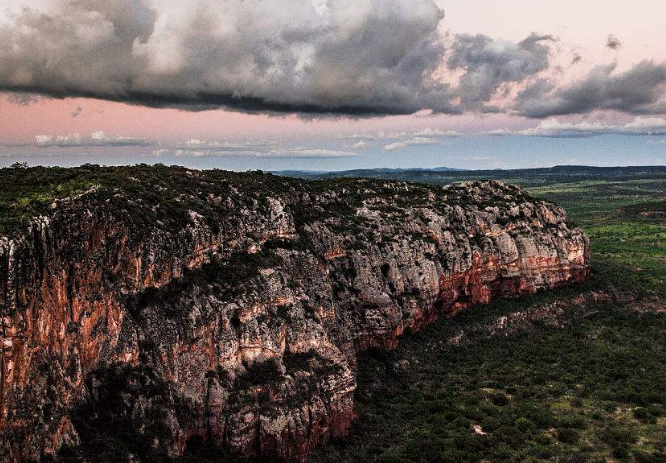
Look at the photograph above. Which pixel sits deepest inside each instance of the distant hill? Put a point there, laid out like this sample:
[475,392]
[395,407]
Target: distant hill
[360,173]
[524,177]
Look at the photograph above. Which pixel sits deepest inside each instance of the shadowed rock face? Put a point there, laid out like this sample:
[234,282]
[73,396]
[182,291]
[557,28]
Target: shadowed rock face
[241,329]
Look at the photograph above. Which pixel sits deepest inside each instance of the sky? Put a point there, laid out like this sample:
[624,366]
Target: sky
[333,84]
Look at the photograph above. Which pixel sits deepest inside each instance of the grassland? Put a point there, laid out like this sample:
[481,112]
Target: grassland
[626,224]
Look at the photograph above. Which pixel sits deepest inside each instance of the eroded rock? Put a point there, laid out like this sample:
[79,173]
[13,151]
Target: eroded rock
[243,331]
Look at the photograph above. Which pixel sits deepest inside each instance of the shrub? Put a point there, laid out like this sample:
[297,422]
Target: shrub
[574,459]
[523,424]
[621,452]
[499,400]
[644,415]
[260,373]
[567,435]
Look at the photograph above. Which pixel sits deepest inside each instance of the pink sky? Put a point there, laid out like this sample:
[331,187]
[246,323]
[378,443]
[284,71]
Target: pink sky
[581,26]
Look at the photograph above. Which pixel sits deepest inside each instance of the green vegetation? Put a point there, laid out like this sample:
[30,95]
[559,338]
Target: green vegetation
[226,278]
[587,389]
[590,391]
[584,386]
[264,374]
[25,193]
[626,225]
[163,194]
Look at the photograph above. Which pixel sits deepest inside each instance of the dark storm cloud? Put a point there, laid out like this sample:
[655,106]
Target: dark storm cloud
[637,91]
[311,57]
[23,99]
[490,63]
[370,57]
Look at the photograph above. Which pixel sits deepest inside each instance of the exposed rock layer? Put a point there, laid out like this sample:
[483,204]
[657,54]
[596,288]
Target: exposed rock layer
[240,326]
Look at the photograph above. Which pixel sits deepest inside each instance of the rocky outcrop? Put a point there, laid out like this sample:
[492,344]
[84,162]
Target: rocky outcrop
[239,323]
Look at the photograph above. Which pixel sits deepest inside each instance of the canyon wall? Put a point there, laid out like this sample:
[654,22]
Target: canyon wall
[240,327]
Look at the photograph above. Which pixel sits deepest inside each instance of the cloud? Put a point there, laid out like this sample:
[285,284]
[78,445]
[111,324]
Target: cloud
[312,153]
[646,126]
[381,135]
[96,139]
[429,132]
[200,148]
[500,133]
[23,99]
[553,128]
[613,42]
[310,57]
[638,90]
[161,152]
[361,145]
[417,141]
[196,147]
[489,64]
[293,153]
[352,57]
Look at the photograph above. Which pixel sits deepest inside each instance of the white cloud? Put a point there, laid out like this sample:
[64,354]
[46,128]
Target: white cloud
[553,128]
[97,138]
[312,153]
[428,132]
[379,135]
[361,145]
[499,132]
[382,135]
[200,148]
[646,125]
[196,147]
[417,141]
[195,143]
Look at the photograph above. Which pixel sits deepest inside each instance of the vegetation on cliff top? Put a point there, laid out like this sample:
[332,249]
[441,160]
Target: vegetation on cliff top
[167,194]
[171,191]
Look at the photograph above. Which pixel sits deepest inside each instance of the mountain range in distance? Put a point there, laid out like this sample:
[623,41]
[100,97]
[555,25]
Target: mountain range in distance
[444,175]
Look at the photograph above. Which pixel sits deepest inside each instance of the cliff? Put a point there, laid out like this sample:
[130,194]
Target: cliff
[159,308]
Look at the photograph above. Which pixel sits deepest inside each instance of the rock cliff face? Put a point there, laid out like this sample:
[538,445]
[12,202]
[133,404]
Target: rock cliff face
[235,317]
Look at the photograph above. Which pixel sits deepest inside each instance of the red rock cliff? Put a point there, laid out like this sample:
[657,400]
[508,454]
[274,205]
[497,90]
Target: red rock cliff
[242,330]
